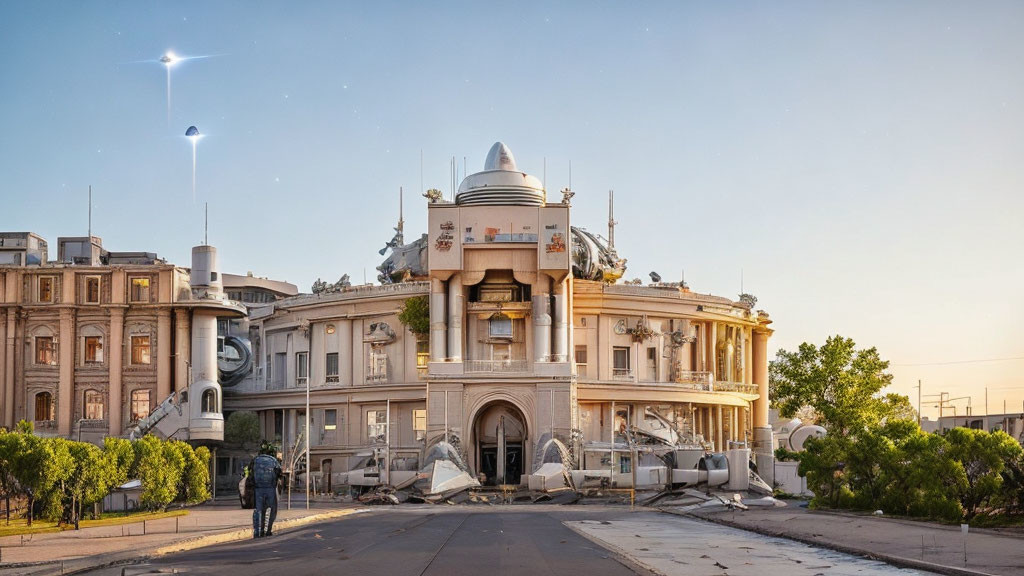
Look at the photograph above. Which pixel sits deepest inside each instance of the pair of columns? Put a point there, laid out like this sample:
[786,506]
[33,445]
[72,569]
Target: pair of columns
[550,334]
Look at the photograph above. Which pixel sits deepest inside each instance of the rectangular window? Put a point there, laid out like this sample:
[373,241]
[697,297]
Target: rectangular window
[332,367]
[92,290]
[422,354]
[140,290]
[330,419]
[620,361]
[46,288]
[376,425]
[652,364]
[140,349]
[378,366]
[302,366]
[93,349]
[140,405]
[278,424]
[580,353]
[93,405]
[46,350]
[44,407]
[419,423]
[499,326]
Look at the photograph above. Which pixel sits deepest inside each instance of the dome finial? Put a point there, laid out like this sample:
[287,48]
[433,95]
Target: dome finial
[500,158]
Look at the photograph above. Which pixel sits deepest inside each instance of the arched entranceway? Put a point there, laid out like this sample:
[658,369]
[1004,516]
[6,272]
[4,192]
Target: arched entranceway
[499,441]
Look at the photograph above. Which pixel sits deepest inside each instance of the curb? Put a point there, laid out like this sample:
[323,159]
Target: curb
[898,561]
[90,563]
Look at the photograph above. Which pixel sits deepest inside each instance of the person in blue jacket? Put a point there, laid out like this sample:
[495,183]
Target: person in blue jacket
[266,471]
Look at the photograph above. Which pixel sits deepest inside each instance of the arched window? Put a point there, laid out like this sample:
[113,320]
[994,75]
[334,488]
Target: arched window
[93,405]
[140,405]
[210,401]
[44,407]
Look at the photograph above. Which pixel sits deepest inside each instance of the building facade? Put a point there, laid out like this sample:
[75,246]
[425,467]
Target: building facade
[528,339]
[96,341]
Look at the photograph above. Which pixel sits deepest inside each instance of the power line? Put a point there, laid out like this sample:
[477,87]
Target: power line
[963,361]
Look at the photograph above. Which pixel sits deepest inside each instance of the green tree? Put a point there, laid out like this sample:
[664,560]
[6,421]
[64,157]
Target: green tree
[981,457]
[158,465]
[823,463]
[92,475]
[122,457]
[837,381]
[40,466]
[415,315]
[242,428]
[10,447]
[196,477]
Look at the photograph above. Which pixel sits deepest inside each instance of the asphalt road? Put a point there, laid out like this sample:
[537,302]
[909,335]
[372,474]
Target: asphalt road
[429,541]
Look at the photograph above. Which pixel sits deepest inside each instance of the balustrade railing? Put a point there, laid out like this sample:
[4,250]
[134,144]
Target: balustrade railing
[499,366]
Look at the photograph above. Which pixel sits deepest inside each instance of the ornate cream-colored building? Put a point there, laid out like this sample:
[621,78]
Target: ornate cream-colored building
[530,338]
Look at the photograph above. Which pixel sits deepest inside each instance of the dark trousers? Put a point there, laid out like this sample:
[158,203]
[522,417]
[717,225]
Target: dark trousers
[265,498]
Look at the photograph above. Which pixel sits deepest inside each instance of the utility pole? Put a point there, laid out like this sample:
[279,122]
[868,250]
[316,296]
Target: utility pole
[918,403]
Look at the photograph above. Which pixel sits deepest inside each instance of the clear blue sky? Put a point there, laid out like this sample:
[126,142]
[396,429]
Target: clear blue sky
[860,162]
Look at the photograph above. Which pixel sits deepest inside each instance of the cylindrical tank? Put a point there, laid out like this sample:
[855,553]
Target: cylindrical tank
[205,269]
[739,469]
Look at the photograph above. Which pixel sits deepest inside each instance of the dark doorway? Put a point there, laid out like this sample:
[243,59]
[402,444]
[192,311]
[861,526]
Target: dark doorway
[513,464]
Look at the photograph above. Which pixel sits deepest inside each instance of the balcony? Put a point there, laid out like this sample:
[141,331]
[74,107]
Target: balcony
[622,374]
[724,386]
[695,380]
[510,366]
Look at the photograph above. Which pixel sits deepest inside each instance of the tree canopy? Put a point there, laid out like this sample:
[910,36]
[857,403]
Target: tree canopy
[839,382]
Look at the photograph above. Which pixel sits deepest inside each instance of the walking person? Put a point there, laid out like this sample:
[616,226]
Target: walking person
[266,471]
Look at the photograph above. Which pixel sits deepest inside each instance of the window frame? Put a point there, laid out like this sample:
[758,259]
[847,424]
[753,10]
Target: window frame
[51,350]
[89,408]
[99,286]
[301,367]
[335,376]
[134,403]
[330,419]
[51,287]
[148,350]
[419,415]
[97,357]
[49,406]
[136,281]
[381,425]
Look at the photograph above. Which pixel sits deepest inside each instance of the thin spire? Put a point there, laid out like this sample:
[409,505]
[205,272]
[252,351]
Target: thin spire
[611,219]
[206,224]
[90,214]
[400,237]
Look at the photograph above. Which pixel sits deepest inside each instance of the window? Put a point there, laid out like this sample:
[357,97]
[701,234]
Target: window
[140,405]
[278,425]
[46,288]
[422,354]
[378,368]
[652,364]
[581,355]
[376,425]
[332,367]
[92,290]
[93,405]
[330,419]
[93,349]
[620,361]
[302,366]
[210,401]
[44,407]
[140,290]
[499,326]
[46,350]
[419,423]
[140,349]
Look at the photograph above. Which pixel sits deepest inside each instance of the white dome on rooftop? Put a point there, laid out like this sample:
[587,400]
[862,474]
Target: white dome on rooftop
[501,183]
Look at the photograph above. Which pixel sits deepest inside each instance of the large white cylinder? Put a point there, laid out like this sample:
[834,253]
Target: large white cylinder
[438,326]
[560,330]
[205,270]
[541,328]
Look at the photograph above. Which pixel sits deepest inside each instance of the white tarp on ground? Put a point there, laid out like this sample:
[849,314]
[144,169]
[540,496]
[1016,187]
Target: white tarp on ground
[550,476]
[446,475]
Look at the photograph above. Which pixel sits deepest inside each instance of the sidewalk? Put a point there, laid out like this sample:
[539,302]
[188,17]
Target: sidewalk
[906,543]
[76,550]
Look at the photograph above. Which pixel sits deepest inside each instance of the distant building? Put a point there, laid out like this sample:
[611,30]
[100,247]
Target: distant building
[1011,423]
[22,249]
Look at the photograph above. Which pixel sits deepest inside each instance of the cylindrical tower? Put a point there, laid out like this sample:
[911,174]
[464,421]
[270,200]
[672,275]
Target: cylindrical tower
[206,422]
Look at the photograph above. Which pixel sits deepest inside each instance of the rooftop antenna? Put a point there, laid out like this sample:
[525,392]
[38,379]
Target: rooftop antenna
[206,224]
[401,222]
[611,219]
[90,213]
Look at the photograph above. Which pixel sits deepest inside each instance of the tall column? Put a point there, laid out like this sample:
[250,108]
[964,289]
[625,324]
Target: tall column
[748,357]
[709,425]
[455,318]
[760,361]
[345,339]
[719,430]
[438,326]
[182,349]
[713,351]
[115,366]
[163,354]
[541,320]
[559,331]
[66,384]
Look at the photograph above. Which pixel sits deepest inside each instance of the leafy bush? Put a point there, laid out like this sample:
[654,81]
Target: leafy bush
[415,315]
